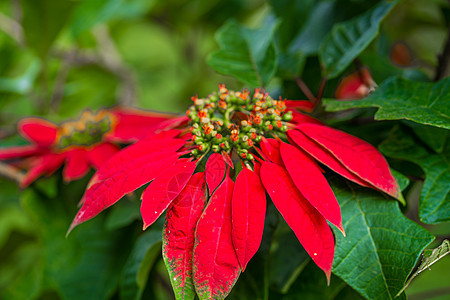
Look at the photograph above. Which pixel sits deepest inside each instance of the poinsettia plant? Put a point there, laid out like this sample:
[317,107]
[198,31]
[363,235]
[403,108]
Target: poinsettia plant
[235,192]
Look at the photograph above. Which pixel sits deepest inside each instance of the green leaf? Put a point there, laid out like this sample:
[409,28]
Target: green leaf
[247,54]
[348,39]
[381,246]
[42,22]
[434,137]
[434,206]
[397,98]
[135,272]
[86,264]
[430,256]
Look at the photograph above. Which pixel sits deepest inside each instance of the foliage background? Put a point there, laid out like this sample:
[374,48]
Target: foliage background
[60,57]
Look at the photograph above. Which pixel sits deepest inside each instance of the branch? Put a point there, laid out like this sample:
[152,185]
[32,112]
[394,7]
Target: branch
[10,172]
[12,28]
[443,60]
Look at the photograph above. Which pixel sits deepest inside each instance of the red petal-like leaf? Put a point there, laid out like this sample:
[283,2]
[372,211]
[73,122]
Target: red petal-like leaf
[248,214]
[179,235]
[137,172]
[299,118]
[271,149]
[308,224]
[310,181]
[134,124]
[303,105]
[164,189]
[45,165]
[20,151]
[358,156]
[227,159]
[128,157]
[100,154]
[322,155]
[38,131]
[215,171]
[77,164]
[357,85]
[216,267]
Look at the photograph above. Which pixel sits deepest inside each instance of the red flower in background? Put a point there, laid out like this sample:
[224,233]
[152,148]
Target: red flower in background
[248,145]
[356,85]
[81,144]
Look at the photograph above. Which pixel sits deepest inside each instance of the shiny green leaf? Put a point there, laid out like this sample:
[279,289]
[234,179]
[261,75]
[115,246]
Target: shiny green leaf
[434,206]
[348,39]
[397,98]
[247,54]
[381,246]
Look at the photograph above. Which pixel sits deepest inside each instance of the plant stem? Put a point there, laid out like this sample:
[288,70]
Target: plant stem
[443,60]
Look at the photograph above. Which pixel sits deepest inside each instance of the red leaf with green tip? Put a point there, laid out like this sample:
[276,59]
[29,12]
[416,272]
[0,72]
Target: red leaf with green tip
[216,267]
[132,175]
[164,189]
[322,155]
[215,171]
[248,213]
[179,235]
[358,156]
[308,178]
[308,224]
[271,149]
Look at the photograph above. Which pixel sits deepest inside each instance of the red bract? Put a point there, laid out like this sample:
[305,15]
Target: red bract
[357,85]
[209,240]
[81,144]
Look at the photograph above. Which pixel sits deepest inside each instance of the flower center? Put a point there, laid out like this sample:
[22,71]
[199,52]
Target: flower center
[86,131]
[228,120]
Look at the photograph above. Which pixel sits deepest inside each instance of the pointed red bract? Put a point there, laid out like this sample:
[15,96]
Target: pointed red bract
[216,267]
[133,124]
[271,149]
[77,164]
[179,235]
[136,153]
[215,171]
[102,194]
[44,165]
[303,105]
[19,152]
[308,224]
[324,156]
[308,178]
[164,189]
[248,214]
[38,131]
[98,155]
[358,156]
[299,118]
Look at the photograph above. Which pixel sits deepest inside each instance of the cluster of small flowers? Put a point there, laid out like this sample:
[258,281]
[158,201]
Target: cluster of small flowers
[87,131]
[233,120]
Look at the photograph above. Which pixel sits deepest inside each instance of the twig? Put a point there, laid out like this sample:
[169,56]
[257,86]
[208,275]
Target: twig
[12,28]
[10,172]
[111,57]
[60,80]
[443,60]
[304,88]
